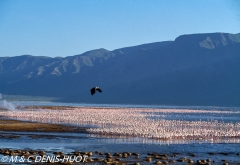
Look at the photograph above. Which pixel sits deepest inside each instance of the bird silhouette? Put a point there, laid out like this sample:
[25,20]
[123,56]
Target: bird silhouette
[94,89]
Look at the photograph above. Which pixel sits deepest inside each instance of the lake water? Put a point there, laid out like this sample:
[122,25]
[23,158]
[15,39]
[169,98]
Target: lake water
[68,142]
[33,103]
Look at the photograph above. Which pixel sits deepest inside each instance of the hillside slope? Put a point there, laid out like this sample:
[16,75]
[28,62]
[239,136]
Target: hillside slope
[196,69]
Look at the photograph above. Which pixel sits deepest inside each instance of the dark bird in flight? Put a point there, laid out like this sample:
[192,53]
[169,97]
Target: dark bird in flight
[94,89]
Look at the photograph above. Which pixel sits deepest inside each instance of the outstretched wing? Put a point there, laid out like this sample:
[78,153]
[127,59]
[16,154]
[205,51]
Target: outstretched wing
[98,89]
[92,91]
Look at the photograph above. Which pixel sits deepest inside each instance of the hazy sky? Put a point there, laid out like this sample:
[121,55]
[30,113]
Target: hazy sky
[69,27]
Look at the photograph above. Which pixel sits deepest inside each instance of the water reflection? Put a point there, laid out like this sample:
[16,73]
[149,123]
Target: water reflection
[139,140]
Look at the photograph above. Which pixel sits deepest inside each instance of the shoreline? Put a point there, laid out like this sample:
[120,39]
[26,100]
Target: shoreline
[103,121]
[12,125]
[110,153]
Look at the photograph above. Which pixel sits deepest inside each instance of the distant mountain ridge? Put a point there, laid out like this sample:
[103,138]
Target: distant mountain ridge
[194,69]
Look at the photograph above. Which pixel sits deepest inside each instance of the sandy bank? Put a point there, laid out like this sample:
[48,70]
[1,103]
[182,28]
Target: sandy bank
[26,126]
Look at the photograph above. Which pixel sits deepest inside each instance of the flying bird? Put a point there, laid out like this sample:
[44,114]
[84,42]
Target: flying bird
[94,89]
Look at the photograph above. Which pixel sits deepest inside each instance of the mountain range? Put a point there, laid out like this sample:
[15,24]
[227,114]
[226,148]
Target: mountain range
[195,69]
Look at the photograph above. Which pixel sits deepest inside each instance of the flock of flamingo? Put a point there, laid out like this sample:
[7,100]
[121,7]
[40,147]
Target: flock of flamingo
[138,122]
